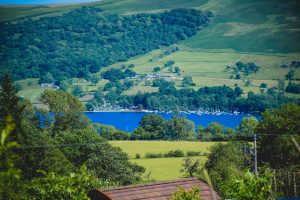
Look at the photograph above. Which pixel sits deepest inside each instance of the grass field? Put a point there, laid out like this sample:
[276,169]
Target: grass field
[207,68]
[143,147]
[31,92]
[162,168]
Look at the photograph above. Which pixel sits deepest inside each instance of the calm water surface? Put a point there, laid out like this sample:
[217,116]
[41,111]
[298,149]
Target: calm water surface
[128,121]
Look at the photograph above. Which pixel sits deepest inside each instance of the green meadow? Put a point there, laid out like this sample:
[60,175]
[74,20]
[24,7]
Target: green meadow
[162,168]
[207,68]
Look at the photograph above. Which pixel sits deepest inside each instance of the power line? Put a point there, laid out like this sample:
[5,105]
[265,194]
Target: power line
[98,143]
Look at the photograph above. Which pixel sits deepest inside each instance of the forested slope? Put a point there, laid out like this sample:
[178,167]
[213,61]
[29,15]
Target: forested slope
[84,40]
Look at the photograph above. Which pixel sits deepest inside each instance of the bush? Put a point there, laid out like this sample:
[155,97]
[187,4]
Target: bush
[193,153]
[182,194]
[153,155]
[263,85]
[176,153]
[74,186]
[137,156]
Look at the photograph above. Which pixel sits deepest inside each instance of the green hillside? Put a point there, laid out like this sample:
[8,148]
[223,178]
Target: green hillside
[256,26]
[266,33]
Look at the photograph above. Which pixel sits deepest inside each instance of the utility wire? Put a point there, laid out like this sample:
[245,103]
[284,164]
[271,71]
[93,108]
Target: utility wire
[98,143]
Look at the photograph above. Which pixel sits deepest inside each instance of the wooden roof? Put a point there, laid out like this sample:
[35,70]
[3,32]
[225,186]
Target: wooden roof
[153,191]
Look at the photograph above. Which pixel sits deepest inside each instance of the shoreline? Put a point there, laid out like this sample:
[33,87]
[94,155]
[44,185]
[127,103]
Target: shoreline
[170,112]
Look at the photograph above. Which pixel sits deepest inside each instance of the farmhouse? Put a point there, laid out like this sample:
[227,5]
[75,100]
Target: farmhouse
[154,191]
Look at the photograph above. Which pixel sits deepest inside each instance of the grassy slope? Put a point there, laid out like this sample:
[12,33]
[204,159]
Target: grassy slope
[207,67]
[31,92]
[162,168]
[251,26]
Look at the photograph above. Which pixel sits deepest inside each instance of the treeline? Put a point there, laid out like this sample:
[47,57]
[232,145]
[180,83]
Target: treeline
[82,41]
[60,156]
[155,127]
[216,98]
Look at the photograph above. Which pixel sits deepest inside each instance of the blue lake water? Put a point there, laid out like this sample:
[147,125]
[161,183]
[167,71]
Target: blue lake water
[128,121]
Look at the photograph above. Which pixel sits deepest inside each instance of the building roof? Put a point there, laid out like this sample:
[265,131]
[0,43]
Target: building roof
[153,191]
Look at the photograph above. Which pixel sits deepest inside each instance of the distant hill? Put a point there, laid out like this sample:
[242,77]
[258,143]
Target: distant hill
[85,39]
[269,26]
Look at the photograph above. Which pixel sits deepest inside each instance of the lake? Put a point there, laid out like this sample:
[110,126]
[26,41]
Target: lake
[128,121]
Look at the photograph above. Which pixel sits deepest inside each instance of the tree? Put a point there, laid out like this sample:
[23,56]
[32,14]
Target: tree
[281,85]
[203,135]
[114,74]
[249,186]
[248,125]
[10,104]
[155,125]
[187,81]
[18,87]
[177,70]
[94,80]
[112,164]
[181,129]
[47,78]
[111,133]
[67,109]
[64,86]
[169,63]
[275,147]
[129,73]
[156,69]
[77,91]
[216,130]
[293,88]
[75,185]
[89,106]
[190,167]
[140,134]
[224,164]
[290,74]
[263,85]
[240,65]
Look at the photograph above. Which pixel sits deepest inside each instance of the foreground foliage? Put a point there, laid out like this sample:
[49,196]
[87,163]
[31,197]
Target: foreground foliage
[59,151]
[73,186]
[182,194]
[249,187]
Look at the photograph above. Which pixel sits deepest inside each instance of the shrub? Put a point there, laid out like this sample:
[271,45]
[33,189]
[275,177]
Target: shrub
[137,156]
[263,85]
[153,155]
[190,167]
[176,153]
[193,153]
[182,194]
